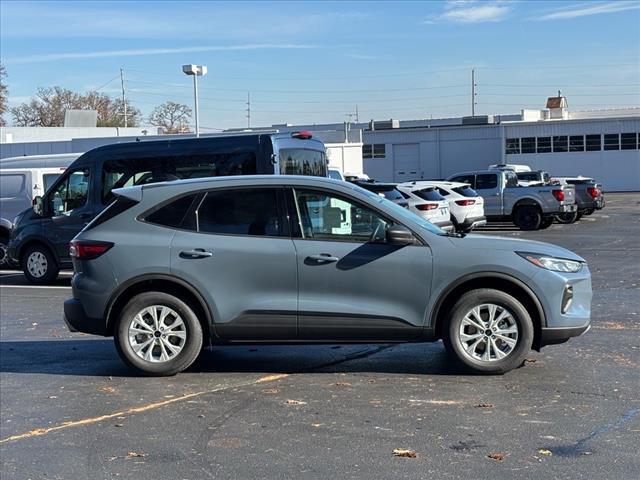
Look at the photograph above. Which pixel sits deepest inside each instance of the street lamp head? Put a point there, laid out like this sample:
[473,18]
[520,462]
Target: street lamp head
[199,70]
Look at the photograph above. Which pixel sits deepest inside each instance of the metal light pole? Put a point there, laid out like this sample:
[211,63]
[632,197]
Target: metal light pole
[196,71]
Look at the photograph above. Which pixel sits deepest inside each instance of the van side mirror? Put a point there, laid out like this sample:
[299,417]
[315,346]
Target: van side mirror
[400,235]
[38,205]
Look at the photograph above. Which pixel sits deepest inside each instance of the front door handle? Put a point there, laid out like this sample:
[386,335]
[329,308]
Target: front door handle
[195,253]
[323,257]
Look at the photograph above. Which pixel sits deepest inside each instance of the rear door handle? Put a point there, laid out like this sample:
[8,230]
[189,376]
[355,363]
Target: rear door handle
[195,253]
[323,257]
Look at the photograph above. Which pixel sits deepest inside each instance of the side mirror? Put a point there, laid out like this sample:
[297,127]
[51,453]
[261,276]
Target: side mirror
[400,235]
[38,205]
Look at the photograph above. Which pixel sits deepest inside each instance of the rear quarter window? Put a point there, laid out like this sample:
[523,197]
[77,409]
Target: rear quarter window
[173,214]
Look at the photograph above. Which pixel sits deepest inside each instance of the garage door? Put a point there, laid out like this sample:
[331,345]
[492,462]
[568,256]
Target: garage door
[406,162]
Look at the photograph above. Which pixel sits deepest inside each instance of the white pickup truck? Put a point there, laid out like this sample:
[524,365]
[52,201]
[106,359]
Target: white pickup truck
[529,208]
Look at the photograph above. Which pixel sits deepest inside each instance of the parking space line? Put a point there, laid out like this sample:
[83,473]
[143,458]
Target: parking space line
[52,287]
[133,410]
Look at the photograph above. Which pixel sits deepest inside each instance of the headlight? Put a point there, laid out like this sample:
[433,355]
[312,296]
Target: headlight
[552,263]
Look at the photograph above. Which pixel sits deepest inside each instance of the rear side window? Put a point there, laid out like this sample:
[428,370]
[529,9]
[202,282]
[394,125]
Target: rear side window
[466,191]
[118,206]
[429,194]
[470,179]
[173,214]
[487,181]
[12,185]
[251,212]
[298,161]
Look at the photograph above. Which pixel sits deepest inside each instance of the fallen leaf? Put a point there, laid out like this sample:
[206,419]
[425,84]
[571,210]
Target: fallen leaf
[404,452]
[53,396]
[544,451]
[530,360]
[136,455]
[342,384]
[484,405]
[295,402]
[271,391]
[107,389]
[316,424]
[496,456]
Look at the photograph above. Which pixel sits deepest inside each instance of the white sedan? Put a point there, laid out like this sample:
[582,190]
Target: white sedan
[426,202]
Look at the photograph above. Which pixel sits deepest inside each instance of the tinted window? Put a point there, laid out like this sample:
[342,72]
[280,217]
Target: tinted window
[70,194]
[466,191]
[576,143]
[543,145]
[612,141]
[138,171]
[470,179]
[429,194]
[12,185]
[512,145]
[486,181]
[392,195]
[528,144]
[120,205]
[240,212]
[628,141]
[173,214]
[297,161]
[325,216]
[593,143]
[528,176]
[560,143]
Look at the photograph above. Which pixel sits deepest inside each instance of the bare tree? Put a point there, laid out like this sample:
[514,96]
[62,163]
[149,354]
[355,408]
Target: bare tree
[173,117]
[3,95]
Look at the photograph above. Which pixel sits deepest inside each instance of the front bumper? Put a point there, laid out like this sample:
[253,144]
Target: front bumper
[447,226]
[77,319]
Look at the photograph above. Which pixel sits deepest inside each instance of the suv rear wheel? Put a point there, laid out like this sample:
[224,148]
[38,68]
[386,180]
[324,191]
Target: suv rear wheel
[527,217]
[38,265]
[158,334]
[489,331]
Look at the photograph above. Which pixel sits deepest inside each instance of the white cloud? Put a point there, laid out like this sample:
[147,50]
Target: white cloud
[472,11]
[581,10]
[48,57]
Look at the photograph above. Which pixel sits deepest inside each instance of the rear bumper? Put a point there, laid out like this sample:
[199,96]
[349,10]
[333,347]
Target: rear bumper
[551,336]
[568,208]
[473,222]
[77,319]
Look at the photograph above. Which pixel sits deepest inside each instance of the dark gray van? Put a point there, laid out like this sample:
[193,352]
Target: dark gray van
[40,236]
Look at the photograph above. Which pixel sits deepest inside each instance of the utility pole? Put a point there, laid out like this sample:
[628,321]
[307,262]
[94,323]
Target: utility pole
[473,92]
[357,116]
[248,109]
[124,99]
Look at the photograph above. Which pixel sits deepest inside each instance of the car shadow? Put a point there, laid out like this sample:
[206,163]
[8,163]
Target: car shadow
[99,358]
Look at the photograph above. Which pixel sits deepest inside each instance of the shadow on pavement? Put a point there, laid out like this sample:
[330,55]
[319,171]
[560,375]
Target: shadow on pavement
[99,358]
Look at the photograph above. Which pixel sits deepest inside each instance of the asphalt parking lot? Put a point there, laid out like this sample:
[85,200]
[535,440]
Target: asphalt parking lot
[69,409]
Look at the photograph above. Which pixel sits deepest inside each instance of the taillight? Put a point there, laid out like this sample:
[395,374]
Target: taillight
[593,191]
[559,194]
[88,249]
[426,206]
[465,203]
[303,135]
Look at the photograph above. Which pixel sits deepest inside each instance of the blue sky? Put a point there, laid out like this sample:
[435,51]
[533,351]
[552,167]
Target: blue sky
[315,61]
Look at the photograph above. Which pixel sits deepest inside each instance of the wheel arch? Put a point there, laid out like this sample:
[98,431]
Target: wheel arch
[527,201]
[497,281]
[161,283]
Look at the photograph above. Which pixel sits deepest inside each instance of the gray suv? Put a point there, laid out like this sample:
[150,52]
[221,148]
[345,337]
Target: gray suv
[170,268]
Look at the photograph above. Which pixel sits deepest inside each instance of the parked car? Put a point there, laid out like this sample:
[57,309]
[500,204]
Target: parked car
[40,238]
[465,205]
[425,201]
[589,196]
[21,180]
[529,208]
[386,190]
[172,267]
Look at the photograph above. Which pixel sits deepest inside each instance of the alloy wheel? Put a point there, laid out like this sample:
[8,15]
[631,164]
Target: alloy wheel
[488,333]
[157,334]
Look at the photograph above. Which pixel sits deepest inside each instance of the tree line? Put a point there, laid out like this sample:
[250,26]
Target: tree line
[47,109]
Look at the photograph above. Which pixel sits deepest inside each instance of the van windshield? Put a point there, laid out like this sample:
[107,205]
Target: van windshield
[299,161]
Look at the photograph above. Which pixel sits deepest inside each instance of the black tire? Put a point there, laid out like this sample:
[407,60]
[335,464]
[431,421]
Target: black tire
[518,313]
[546,223]
[589,211]
[567,217]
[192,343]
[580,214]
[527,217]
[4,258]
[39,276]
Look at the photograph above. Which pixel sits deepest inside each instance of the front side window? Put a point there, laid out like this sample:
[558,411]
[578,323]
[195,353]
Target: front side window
[70,194]
[487,181]
[298,161]
[252,212]
[325,216]
[49,179]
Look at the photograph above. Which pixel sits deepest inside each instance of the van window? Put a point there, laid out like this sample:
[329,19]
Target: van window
[12,185]
[138,171]
[298,161]
[70,194]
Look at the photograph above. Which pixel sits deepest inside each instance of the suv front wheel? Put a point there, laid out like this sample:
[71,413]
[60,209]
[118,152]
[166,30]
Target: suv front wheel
[489,331]
[158,334]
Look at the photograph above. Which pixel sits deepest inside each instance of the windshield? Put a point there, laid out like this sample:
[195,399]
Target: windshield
[429,194]
[298,161]
[400,212]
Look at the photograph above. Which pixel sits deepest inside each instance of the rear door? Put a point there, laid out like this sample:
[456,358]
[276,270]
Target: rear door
[488,186]
[352,284]
[235,248]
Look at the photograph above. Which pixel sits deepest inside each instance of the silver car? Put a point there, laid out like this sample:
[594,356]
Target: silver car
[170,268]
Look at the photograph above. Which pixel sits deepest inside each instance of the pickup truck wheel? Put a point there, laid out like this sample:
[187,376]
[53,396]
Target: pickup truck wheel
[38,265]
[158,334]
[567,217]
[527,217]
[488,331]
[546,223]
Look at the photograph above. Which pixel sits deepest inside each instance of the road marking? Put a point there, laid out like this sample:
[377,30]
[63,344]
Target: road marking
[19,272]
[52,287]
[133,410]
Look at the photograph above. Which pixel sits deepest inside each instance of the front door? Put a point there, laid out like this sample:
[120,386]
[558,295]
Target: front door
[352,284]
[239,255]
